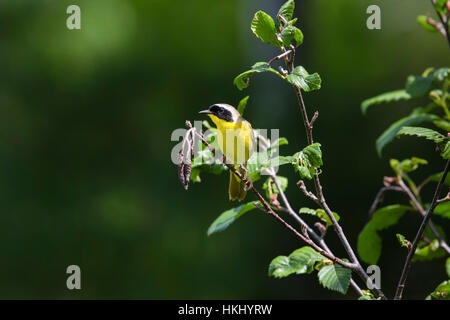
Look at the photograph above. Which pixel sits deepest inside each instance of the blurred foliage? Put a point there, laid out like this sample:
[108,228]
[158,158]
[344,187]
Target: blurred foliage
[85,122]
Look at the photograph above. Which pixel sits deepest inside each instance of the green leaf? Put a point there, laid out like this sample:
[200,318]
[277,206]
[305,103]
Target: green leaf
[437,176]
[369,242]
[442,292]
[422,133]
[441,74]
[391,132]
[443,210]
[228,217]
[287,10]
[242,105]
[440,6]
[447,266]
[308,160]
[279,142]
[446,152]
[424,22]
[283,181]
[300,261]
[442,124]
[429,252]
[321,214]
[243,79]
[407,165]
[308,211]
[314,154]
[403,242]
[384,98]
[263,27]
[290,33]
[335,277]
[419,86]
[303,80]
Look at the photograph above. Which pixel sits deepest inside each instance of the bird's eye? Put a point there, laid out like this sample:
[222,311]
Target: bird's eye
[215,109]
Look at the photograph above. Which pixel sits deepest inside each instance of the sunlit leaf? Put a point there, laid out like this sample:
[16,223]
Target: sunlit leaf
[300,261]
[243,79]
[264,28]
[335,277]
[228,217]
[303,80]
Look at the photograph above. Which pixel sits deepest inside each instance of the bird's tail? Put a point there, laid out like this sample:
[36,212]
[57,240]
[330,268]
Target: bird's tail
[236,190]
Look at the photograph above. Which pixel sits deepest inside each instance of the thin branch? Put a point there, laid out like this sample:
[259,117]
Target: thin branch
[281,56]
[319,193]
[422,211]
[380,197]
[316,237]
[407,266]
[269,210]
[444,21]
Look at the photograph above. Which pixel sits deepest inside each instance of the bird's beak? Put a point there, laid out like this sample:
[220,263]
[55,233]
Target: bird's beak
[205,112]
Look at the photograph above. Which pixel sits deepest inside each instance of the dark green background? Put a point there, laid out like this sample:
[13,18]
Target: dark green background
[85,124]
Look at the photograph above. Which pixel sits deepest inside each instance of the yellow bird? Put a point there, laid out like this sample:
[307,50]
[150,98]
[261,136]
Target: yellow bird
[236,141]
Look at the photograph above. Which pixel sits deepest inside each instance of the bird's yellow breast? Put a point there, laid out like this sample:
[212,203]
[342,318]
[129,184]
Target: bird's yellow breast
[236,140]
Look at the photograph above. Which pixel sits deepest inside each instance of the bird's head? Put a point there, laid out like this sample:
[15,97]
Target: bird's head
[222,111]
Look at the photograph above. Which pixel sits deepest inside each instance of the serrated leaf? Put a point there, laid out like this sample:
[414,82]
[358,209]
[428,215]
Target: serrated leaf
[243,79]
[390,133]
[290,33]
[308,160]
[446,152]
[442,292]
[422,20]
[287,10]
[420,132]
[443,210]
[228,217]
[242,104]
[369,242]
[264,28]
[303,80]
[335,277]
[385,98]
[300,261]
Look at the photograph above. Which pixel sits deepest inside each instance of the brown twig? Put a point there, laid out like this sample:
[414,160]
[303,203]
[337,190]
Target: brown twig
[422,211]
[269,210]
[319,196]
[407,265]
[380,197]
[444,21]
[316,237]
[281,56]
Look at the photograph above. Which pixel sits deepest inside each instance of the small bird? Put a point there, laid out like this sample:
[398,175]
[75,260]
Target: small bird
[236,141]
